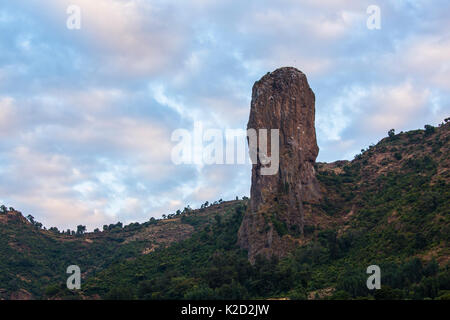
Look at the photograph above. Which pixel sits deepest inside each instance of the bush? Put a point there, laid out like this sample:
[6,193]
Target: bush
[120,293]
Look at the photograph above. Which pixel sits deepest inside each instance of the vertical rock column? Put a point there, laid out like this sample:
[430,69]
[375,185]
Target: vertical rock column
[281,100]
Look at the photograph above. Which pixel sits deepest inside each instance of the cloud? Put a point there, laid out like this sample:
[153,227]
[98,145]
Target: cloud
[45,188]
[394,106]
[86,115]
[133,37]
[7,116]
[363,115]
[89,163]
[426,57]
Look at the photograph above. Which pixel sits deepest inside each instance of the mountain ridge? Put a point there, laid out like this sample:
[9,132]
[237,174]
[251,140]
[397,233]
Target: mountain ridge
[389,205]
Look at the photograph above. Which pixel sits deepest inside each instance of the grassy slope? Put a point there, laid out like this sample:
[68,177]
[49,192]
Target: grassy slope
[33,260]
[389,206]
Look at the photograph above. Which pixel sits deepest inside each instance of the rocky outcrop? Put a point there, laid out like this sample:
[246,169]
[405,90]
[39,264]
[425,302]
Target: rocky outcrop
[275,218]
[12,216]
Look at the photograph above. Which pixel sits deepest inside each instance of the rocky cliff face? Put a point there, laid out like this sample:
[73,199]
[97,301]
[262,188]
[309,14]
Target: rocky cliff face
[275,219]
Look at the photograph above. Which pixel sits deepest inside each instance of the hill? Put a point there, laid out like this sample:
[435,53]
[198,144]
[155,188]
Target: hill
[389,206]
[33,260]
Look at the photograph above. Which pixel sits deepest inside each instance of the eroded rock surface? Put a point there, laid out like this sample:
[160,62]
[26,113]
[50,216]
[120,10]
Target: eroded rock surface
[275,219]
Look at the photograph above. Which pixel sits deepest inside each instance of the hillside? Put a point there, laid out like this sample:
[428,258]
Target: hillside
[389,206]
[33,259]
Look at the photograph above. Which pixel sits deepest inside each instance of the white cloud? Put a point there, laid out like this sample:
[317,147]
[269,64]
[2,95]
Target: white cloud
[394,106]
[332,119]
[89,125]
[428,58]
[42,183]
[7,116]
[363,115]
[373,109]
[134,37]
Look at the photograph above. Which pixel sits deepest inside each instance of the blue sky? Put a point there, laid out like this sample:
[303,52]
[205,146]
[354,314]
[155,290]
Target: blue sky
[86,115]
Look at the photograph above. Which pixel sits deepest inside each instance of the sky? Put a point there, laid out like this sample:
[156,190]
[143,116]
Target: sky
[87,115]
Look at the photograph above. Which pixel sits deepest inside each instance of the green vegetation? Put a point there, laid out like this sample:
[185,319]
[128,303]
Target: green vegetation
[210,266]
[397,192]
[35,260]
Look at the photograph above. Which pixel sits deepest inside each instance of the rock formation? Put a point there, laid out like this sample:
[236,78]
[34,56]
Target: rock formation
[275,218]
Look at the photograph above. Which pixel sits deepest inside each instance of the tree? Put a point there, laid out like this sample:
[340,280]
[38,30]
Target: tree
[120,293]
[200,292]
[81,229]
[388,293]
[431,269]
[54,229]
[391,133]
[3,209]
[428,129]
[31,219]
[298,293]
